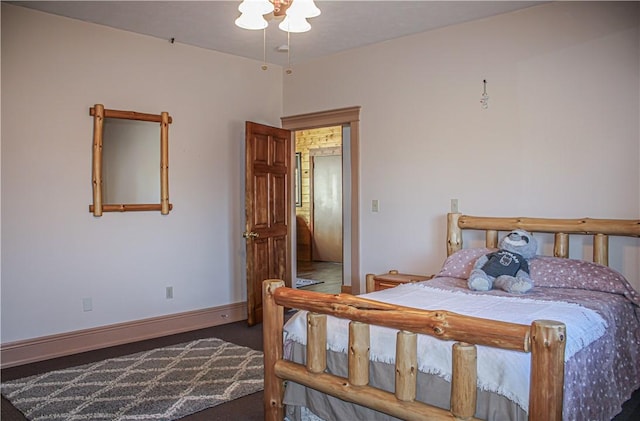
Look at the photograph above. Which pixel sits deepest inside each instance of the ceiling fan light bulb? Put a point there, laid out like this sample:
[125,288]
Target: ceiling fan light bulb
[294,24]
[251,21]
[305,8]
[261,7]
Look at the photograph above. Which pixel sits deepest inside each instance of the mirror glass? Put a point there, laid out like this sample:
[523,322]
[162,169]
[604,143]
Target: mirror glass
[130,161]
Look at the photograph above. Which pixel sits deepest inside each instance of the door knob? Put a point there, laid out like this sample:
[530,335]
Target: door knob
[250,234]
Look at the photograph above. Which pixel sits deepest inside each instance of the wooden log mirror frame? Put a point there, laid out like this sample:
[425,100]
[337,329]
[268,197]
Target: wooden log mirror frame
[100,200]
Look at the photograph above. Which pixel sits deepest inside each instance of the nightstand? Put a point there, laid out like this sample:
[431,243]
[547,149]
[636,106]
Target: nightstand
[392,279]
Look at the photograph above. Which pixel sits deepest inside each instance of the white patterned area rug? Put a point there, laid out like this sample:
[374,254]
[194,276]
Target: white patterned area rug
[162,384]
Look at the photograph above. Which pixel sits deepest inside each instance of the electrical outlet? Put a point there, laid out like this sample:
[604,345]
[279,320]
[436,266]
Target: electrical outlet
[375,205]
[454,205]
[169,293]
[87,304]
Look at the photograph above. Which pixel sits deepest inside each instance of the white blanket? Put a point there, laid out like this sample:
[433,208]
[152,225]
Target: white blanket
[504,372]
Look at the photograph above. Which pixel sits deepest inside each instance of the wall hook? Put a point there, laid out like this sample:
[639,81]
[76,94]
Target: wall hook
[484,99]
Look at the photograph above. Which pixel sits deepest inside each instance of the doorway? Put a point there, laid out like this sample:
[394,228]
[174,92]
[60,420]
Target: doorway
[319,209]
[349,121]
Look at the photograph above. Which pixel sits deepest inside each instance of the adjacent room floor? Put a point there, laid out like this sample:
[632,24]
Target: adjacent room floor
[330,273]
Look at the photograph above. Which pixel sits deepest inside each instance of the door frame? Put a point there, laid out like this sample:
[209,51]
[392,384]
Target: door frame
[349,116]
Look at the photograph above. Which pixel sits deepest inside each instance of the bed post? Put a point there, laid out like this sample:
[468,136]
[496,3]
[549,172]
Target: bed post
[601,249]
[371,283]
[547,370]
[454,233]
[561,244]
[273,321]
[464,378]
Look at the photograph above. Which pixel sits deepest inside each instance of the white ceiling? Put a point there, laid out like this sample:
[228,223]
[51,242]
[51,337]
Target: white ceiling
[342,25]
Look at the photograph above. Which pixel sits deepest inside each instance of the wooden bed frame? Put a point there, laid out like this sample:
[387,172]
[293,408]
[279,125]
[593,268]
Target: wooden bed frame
[543,339]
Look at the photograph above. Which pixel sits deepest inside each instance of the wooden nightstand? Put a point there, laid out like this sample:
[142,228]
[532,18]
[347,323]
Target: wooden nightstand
[392,279]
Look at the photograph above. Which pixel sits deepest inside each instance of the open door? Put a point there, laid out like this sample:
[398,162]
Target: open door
[267,210]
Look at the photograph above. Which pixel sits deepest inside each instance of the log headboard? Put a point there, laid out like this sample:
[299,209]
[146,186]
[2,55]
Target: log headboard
[561,228]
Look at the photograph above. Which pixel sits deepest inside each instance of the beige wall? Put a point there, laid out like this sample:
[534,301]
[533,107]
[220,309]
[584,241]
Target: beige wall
[54,252]
[560,137]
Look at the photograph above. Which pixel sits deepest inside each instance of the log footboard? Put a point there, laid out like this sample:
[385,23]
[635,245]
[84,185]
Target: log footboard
[544,339]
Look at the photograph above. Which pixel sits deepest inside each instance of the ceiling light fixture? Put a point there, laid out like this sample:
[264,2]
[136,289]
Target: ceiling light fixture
[295,12]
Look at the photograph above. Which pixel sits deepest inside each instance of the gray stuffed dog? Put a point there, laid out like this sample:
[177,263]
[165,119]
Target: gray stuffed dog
[508,267]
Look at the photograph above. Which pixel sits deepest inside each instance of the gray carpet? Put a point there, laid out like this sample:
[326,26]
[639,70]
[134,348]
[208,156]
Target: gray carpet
[161,384]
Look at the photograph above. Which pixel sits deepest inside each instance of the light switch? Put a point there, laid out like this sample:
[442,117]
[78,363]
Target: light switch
[454,205]
[375,205]
[87,304]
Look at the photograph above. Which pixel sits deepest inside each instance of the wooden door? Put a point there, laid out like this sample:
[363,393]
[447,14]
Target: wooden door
[267,209]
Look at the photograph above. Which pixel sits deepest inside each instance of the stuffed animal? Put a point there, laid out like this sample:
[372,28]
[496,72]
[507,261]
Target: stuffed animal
[508,267]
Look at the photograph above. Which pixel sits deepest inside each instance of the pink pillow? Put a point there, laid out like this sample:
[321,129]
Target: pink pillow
[550,272]
[557,272]
[460,264]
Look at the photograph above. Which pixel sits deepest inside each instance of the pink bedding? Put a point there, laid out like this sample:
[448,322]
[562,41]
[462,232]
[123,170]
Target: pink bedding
[601,377]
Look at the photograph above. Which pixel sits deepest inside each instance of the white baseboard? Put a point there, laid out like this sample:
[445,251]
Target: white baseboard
[59,345]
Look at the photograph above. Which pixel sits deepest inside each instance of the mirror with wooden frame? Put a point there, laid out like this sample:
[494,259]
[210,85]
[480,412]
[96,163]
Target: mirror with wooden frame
[125,174]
